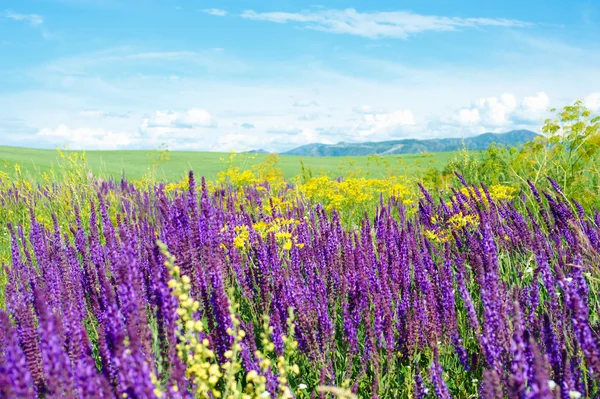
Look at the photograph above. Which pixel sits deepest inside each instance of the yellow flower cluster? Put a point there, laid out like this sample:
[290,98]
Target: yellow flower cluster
[279,203]
[201,366]
[265,172]
[180,186]
[436,236]
[285,367]
[242,236]
[284,364]
[211,378]
[498,192]
[157,391]
[455,223]
[459,221]
[146,182]
[353,191]
[281,227]
[237,177]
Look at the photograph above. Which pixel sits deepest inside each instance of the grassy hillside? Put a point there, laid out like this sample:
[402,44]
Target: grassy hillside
[135,163]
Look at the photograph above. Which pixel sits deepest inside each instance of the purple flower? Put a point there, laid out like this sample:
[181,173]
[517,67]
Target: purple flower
[15,378]
[439,385]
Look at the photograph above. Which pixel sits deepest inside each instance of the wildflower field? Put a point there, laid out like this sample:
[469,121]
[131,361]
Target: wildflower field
[251,285]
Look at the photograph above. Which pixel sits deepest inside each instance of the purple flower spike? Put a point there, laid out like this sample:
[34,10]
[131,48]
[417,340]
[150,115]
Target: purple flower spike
[15,378]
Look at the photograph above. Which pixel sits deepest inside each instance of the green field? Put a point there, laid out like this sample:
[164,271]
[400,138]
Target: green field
[134,164]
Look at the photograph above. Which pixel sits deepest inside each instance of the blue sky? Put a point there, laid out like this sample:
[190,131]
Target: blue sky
[235,75]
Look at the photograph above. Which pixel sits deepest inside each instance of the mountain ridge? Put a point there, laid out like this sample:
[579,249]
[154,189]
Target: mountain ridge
[413,146]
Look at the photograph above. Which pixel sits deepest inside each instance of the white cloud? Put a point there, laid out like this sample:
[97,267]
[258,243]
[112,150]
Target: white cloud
[385,123]
[468,116]
[97,113]
[374,25]
[131,62]
[305,103]
[313,116]
[87,138]
[192,118]
[496,114]
[592,101]
[402,117]
[537,103]
[286,130]
[33,19]
[367,109]
[495,111]
[269,141]
[215,11]
[193,128]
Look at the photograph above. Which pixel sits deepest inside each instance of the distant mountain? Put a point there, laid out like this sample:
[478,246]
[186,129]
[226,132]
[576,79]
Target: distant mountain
[414,146]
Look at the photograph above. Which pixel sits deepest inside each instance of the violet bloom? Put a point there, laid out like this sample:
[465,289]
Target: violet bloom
[15,378]
[420,390]
[440,386]
[491,387]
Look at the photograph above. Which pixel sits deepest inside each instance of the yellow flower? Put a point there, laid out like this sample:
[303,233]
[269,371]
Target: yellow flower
[500,192]
[436,237]
[287,245]
[459,221]
[282,235]
[242,237]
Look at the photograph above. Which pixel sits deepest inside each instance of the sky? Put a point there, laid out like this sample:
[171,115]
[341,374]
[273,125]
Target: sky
[241,74]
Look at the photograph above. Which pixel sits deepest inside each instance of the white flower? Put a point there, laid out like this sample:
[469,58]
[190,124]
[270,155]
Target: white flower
[574,394]
[302,386]
[551,385]
[265,394]
[568,279]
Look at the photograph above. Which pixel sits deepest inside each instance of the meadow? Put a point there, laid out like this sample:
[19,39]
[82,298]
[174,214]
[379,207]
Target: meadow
[474,277]
[135,164]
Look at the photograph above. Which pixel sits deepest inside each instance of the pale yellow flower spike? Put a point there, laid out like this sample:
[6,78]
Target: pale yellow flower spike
[203,367]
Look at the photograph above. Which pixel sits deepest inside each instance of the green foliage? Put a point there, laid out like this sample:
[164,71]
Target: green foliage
[567,151]
[160,155]
[573,140]
[268,169]
[467,163]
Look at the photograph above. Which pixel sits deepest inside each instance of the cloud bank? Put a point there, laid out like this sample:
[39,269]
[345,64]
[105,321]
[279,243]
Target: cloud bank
[376,25]
[197,129]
